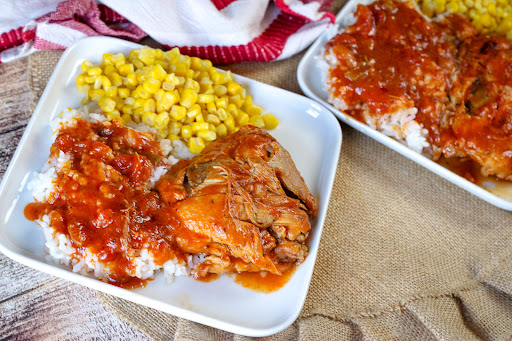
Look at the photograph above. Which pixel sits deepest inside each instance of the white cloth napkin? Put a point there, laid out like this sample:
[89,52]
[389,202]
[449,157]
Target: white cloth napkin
[224,31]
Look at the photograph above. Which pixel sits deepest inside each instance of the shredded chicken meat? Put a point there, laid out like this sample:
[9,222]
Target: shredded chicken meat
[242,203]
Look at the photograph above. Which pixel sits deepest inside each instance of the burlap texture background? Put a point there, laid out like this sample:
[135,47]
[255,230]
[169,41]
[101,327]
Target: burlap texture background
[404,254]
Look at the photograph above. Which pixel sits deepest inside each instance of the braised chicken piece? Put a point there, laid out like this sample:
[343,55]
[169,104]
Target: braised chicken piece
[242,203]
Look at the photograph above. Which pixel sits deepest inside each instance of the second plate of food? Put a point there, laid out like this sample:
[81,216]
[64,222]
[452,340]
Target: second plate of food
[389,81]
[307,130]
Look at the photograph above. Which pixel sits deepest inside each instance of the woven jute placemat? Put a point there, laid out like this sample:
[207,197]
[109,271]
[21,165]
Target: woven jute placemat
[404,254]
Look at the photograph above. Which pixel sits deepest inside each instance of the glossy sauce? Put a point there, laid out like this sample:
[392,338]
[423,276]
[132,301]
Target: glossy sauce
[393,58]
[263,281]
[101,201]
[103,205]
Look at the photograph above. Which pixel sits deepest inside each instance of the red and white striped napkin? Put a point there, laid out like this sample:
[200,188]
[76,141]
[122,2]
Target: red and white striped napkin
[224,31]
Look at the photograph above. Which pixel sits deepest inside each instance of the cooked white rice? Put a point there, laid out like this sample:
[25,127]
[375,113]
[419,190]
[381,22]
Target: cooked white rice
[59,247]
[400,125]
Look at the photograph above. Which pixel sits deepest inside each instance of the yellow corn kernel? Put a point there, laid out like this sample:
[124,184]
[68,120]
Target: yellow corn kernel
[167,101]
[192,84]
[452,7]
[138,103]
[118,59]
[230,123]
[257,121]
[243,119]
[491,8]
[207,135]
[190,74]
[111,92]
[222,102]
[196,145]
[194,110]
[158,72]
[80,80]
[486,20]
[149,105]
[172,78]
[254,110]
[212,127]
[86,65]
[222,114]
[137,115]
[236,100]
[123,92]
[107,59]
[179,69]
[84,100]
[172,54]
[199,118]
[115,79]
[108,69]
[232,109]
[175,127]
[234,88]
[149,118]
[162,120]
[130,101]
[84,89]
[142,93]
[186,131]
[270,121]
[178,112]
[196,126]
[220,90]
[90,79]
[119,102]
[94,71]
[125,118]
[187,120]
[131,79]
[147,56]
[211,108]
[151,85]
[222,130]
[125,69]
[137,63]
[201,98]
[97,83]
[188,97]
[173,137]
[213,119]
[181,80]
[127,109]
[107,104]
[115,115]
[196,63]
[168,86]
[96,94]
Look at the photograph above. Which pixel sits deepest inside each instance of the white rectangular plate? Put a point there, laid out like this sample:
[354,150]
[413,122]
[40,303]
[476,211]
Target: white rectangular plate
[307,129]
[498,193]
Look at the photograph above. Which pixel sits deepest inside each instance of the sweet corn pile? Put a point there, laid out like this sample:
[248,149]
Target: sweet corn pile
[488,16]
[182,97]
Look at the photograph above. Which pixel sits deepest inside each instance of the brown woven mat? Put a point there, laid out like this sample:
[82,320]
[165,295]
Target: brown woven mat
[404,254]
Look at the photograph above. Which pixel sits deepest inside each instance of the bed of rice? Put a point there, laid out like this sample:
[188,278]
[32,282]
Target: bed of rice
[59,247]
[400,125]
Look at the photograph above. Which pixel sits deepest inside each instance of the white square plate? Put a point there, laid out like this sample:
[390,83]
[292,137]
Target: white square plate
[498,193]
[308,130]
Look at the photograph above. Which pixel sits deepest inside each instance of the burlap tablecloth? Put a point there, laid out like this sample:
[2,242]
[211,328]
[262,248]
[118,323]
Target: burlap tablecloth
[404,254]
